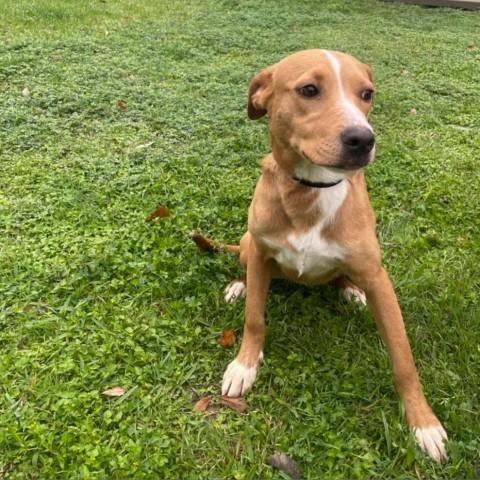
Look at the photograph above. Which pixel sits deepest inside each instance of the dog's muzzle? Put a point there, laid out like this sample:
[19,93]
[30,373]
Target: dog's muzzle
[357,144]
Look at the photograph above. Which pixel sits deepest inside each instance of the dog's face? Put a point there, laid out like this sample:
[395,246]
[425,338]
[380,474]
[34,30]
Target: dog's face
[317,102]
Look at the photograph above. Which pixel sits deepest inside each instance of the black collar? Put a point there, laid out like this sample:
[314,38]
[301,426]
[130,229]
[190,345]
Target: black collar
[307,183]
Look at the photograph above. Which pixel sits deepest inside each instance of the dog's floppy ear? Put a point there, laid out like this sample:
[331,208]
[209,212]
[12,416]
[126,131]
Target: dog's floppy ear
[260,91]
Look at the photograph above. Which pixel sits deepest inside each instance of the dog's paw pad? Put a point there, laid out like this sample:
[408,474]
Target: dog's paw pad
[430,440]
[234,290]
[355,294]
[237,379]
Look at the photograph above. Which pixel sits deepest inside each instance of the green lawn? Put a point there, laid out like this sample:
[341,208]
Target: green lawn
[110,109]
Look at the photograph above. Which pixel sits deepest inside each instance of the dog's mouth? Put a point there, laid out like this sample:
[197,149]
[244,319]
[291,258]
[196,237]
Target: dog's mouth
[344,161]
[343,167]
[312,171]
[353,150]
[353,163]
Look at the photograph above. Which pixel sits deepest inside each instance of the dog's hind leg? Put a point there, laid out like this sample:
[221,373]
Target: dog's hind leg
[349,290]
[236,289]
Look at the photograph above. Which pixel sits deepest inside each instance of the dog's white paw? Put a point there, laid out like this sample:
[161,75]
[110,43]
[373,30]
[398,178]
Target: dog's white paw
[430,440]
[355,294]
[238,378]
[234,290]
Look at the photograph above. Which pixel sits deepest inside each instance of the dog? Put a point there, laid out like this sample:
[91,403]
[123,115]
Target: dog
[310,220]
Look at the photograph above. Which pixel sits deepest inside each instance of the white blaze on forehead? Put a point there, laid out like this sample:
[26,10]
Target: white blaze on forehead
[354,115]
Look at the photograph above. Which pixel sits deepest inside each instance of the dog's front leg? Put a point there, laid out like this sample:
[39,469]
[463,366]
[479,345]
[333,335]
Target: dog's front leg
[382,301]
[241,373]
[383,304]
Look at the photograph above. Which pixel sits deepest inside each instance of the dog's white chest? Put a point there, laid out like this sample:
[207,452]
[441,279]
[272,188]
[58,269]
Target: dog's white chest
[309,254]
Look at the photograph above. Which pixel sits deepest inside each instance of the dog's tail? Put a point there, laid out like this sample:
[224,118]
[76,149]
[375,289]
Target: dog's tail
[209,246]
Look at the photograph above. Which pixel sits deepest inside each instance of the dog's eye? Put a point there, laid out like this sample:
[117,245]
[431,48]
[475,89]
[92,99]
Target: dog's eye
[367,95]
[308,91]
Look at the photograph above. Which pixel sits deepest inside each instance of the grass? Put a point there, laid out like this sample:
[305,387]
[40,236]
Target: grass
[131,106]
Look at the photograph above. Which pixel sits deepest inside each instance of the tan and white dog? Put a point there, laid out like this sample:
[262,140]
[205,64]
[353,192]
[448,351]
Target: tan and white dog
[310,220]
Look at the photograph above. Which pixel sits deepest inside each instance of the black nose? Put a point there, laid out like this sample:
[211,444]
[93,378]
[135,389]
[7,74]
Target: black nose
[357,141]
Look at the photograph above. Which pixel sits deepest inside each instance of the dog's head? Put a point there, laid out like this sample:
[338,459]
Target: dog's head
[317,102]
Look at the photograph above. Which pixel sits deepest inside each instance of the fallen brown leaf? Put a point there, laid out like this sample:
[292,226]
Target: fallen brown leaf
[472,47]
[202,404]
[26,92]
[227,338]
[160,212]
[283,462]
[39,306]
[238,404]
[114,392]
[121,105]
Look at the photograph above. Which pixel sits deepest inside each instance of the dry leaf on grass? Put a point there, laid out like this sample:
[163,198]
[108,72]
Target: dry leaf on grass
[283,462]
[472,47]
[238,404]
[143,145]
[227,338]
[417,472]
[38,306]
[114,392]
[26,92]
[33,381]
[139,147]
[202,404]
[160,212]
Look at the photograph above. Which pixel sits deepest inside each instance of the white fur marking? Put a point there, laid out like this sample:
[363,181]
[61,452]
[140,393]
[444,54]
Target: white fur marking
[236,289]
[355,294]
[353,113]
[238,378]
[430,440]
[309,254]
[330,200]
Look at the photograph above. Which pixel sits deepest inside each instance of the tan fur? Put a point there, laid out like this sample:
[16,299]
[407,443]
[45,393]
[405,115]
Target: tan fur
[305,137]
